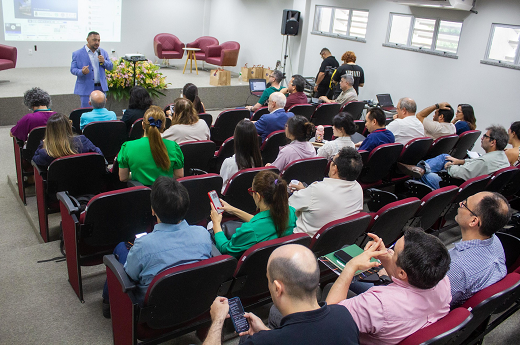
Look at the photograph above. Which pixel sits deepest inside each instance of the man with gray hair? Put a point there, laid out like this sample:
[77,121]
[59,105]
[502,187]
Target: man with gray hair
[293,277]
[348,93]
[277,117]
[275,78]
[406,126]
[99,113]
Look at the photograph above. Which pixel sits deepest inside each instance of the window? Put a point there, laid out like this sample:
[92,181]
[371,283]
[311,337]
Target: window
[340,22]
[503,46]
[434,36]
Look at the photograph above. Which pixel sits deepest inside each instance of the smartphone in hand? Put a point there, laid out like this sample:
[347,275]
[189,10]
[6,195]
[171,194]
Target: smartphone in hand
[236,311]
[213,197]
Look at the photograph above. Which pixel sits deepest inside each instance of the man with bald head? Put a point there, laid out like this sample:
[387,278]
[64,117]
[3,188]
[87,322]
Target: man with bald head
[293,277]
[478,260]
[406,126]
[99,113]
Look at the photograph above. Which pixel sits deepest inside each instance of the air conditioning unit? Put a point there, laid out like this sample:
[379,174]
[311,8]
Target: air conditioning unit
[465,5]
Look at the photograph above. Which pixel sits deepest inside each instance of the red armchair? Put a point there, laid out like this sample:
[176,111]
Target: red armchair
[225,54]
[168,46]
[8,57]
[202,43]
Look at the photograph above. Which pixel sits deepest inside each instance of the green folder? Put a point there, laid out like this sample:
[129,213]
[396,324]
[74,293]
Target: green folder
[336,265]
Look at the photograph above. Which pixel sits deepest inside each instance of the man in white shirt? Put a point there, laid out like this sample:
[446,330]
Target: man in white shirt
[348,93]
[335,197]
[441,124]
[406,126]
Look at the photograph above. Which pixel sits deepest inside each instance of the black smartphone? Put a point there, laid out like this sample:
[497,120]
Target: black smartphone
[342,256]
[236,311]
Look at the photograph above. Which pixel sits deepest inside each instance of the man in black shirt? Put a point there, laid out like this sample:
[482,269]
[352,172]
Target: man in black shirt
[293,277]
[324,74]
[349,67]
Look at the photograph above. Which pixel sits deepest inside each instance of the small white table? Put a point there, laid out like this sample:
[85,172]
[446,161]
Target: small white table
[191,57]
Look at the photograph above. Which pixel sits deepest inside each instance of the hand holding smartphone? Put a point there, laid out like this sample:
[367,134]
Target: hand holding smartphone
[236,311]
[213,197]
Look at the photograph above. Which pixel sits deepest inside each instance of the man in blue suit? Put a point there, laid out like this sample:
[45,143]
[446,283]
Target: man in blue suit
[89,64]
[277,117]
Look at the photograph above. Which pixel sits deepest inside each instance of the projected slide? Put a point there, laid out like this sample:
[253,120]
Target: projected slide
[61,20]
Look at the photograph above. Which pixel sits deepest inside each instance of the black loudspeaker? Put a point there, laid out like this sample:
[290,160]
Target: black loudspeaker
[290,22]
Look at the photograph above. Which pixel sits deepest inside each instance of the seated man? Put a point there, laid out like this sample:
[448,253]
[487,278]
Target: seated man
[406,126]
[348,93]
[493,142]
[277,117]
[478,260]
[293,276]
[335,197]
[375,123]
[419,295]
[294,92]
[275,78]
[99,113]
[172,241]
[441,124]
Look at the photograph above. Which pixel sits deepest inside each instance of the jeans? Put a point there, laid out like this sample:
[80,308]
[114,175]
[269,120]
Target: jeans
[120,252]
[431,167]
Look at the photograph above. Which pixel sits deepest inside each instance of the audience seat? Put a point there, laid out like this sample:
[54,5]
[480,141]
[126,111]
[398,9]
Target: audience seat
[354,108]
[511,245]
[207,118]
[511,188]
[433,206]
[305,110]
[306,170]
[225,54]
[465,143]
[442,145]
[236,193]
[259,113]
[378,164]
[202,43]
[271,146]
[136,131]
[226,150]
[23,154]
[75,117]
[197,155]
[177,301]
[360,127]
[500,178]
[8,57]
[108,136]
[109,218]
[167,46]
[78,174]
[224,126]
[198,188]
[324,113]
[250,281]
[413,152]
[328,132]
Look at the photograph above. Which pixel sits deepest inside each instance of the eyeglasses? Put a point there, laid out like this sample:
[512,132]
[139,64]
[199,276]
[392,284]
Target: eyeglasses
[251,191]
[332,161]
[271,76]
[459,111]
[465,205]
[487,136]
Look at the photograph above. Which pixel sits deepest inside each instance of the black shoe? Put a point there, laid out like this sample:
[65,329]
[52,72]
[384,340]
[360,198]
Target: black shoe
[411,170]
[106,309]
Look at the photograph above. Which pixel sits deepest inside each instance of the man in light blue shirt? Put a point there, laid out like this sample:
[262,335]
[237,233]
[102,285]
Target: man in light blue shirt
[171,243]
[99,113]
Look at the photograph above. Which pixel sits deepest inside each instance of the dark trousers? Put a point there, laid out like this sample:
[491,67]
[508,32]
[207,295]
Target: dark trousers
[120,252]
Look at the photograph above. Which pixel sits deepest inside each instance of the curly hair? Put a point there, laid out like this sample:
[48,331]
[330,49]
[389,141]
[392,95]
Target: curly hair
[36,97]
[348,57]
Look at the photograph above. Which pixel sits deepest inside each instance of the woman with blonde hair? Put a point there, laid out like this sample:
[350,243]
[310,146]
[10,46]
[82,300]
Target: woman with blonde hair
[60,141]
[186,125]
[151,156]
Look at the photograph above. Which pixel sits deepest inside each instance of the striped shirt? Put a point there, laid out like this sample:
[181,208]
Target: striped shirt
[475,265]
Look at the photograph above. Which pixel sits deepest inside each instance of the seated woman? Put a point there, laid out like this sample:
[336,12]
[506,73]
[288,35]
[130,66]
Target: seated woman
[513,154]
[191,92]
[60,141]
[247,151]
[39,102]
[343,127]
[151,156]
[186,125]
[139,102]
[299,131]
[275,219]
[464,119]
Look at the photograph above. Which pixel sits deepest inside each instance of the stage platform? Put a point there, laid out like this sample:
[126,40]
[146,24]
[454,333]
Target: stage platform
[59,83]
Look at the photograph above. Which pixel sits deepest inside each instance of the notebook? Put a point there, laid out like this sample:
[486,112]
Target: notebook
[257,86]
[385,102]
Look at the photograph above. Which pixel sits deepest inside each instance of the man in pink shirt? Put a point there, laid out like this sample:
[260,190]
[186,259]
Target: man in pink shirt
[419,295]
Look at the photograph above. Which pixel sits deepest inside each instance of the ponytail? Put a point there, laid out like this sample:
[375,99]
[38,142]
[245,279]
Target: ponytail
[154,121]
[191,92]
[300,128]
[274,191]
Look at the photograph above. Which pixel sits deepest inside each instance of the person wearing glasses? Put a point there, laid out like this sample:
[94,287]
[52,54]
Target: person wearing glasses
[275,78]
[478,260]
[464,119]
[493,142]
[277,117]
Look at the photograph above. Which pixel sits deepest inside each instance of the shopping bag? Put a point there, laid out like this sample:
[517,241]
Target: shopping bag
[257,72]
[267,73]
[219,77]
[245,72]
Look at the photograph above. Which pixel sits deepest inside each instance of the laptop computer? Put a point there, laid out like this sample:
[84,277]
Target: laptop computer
[257,86]
[385,102]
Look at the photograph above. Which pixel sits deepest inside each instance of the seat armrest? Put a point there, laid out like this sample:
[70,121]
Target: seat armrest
[134,183]
[41,170]
[192,45]
[119,271]
[213,51]
[158,47]
[214,251]
[70,204]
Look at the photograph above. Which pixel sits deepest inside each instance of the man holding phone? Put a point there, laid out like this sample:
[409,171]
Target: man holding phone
[293,277]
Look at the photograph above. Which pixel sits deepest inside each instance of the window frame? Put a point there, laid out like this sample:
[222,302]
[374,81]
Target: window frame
[433,46]
[487,61]
[331,26]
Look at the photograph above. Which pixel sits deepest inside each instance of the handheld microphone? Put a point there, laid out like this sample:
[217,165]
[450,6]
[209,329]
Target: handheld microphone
[99,53]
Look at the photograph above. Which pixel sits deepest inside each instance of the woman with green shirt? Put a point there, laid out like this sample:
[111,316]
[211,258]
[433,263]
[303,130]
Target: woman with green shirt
[275,217]
[151,156]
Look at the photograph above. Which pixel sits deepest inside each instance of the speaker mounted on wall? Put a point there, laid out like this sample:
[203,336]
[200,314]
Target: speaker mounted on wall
[290,22]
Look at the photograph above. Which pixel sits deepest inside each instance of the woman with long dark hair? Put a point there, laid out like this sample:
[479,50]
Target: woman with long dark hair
[298,130]
[60,141]
[191,92]
[275,218]
[513,154]
[138,104]
[151,156]
[186,124]
[247,151]
[343,127]
[464,119]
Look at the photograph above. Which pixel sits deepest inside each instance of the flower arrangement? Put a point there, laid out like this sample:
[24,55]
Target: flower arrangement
[120,79]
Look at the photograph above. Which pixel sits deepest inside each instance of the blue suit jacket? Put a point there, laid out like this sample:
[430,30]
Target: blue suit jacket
[274,121]
[85,82]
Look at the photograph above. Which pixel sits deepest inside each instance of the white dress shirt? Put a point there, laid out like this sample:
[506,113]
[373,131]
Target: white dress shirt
[94,60]
[406,129]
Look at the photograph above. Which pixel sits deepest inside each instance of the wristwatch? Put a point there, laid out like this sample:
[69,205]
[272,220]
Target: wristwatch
[436,105]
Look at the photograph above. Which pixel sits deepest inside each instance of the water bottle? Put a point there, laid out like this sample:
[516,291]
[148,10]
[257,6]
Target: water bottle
[319,133]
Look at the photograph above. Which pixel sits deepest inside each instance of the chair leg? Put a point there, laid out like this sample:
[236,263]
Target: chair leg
[122,311]
[19,171]
[42,206]
[71,252]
